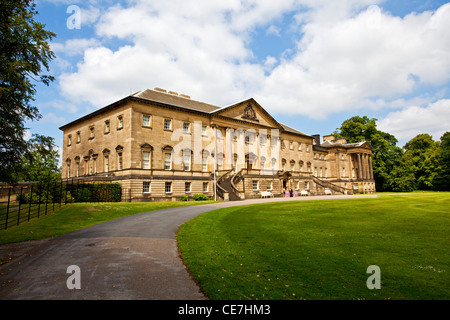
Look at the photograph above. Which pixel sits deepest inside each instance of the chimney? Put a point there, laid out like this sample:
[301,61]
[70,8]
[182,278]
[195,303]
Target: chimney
[329,137]
[160,90]
[316,138]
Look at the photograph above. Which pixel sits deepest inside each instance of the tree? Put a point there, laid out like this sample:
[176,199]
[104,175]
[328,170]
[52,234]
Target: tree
[386,153]
[40,162]
[440,165]
[24,53]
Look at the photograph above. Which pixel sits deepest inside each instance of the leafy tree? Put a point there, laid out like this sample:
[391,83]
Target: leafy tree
[440,165]
[40,162]
[386,153]
[24,53]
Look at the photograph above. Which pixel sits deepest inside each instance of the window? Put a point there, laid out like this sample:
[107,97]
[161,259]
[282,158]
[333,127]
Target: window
[187,160]
[262,162]
[205,187]
[145,159]
[307,148]
[321,172]
[262,140]
[269,185]
[145,120]
[255,185]
[167,124]
[204,163]
[119,161]
[315,171]
[326,173]
[315,156]
[299,146]
[146,187]
[343,172]
[187,187]
[78,170]
[283,165]
[306,185]
[203,130]
[78,137]
[219,162]
[106,163]
[292,166]
[69,142]
[168,187]
[120,122]
[247,139]
[91,133]
[291,145]
[167,161]
[186,127]
[68,171]
[107,126]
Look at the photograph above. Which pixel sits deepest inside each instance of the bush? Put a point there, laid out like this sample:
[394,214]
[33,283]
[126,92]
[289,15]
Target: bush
[183,198]
[95,192]
[200,197]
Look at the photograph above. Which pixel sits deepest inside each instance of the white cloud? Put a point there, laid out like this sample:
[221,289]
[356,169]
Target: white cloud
[405,124]
[349,55]
[342,64]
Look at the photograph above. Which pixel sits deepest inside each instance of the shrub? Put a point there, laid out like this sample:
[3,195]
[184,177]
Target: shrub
[183,198]
[200,197]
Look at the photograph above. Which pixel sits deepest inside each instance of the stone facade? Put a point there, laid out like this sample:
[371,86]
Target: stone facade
[161,145]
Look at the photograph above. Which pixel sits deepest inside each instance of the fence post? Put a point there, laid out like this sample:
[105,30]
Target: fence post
[60,193]
[39,201]
[54,192]
[7,209]
[31,198]
[46,196]
[20,204]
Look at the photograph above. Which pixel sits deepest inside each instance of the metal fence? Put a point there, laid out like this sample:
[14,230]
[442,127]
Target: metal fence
[22,202]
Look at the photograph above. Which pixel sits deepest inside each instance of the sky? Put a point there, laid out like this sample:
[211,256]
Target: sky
[310,63]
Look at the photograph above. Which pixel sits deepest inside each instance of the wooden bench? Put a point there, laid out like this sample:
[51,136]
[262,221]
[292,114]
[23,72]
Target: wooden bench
[327,192]
[265,194]
[303,193]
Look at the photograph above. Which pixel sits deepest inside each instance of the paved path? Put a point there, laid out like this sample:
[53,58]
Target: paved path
[134,257]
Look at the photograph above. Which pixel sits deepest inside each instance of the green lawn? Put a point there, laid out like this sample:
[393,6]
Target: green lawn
[321,249]
[80,215]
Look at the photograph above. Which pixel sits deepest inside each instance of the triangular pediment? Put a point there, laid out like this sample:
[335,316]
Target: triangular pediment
[249,111]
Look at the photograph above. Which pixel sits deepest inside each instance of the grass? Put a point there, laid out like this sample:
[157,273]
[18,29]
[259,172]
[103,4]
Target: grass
[322,249]
[80,215]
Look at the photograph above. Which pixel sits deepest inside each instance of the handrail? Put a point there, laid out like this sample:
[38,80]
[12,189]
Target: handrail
[235,179]
[327,184]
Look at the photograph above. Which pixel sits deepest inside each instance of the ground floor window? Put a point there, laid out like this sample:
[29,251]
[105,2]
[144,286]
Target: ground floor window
[205,187]
[146,187]
[187,187]
[255,185]
[168,187]
[269,185]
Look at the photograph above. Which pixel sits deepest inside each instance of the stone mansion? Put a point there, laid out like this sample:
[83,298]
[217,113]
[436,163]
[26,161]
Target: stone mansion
[161,145]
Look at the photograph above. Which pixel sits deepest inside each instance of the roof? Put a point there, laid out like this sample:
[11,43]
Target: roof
[331,144]
[292,130]
[174,99]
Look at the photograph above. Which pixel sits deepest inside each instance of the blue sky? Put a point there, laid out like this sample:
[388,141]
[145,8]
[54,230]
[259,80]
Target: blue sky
[310,63]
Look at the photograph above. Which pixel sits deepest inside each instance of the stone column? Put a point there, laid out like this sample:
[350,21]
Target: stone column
[371,167]
[359,166]
[364,163]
